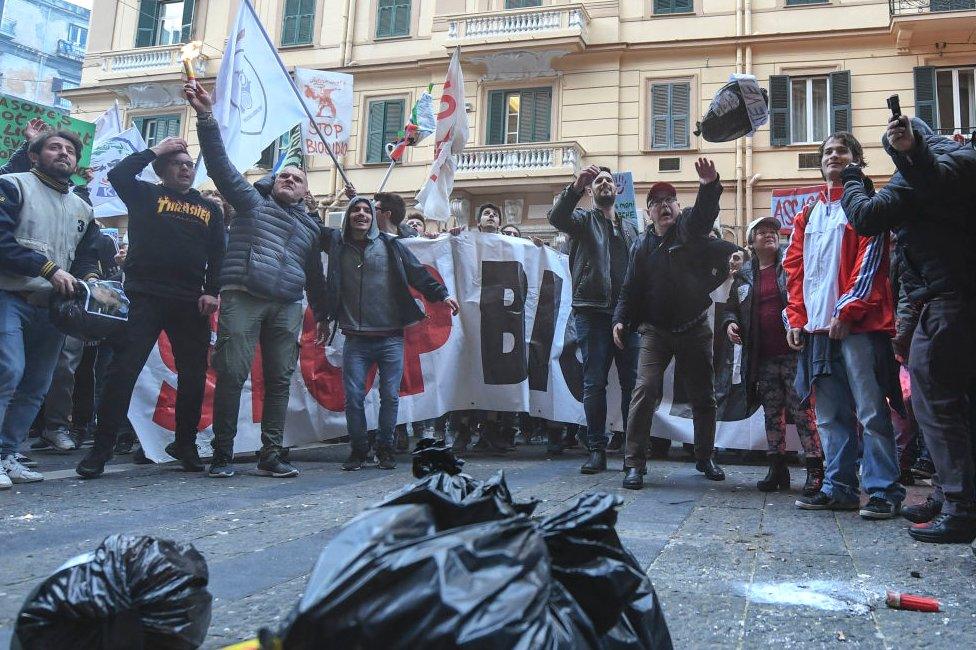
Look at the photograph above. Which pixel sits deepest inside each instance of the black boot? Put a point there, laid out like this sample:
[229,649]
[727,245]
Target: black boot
[778,476]
[596,464]
[710,469]
[815,477]
[93,464]
[634,478]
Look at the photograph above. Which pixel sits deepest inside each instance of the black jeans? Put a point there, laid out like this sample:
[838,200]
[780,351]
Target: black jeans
[941,366]
[189,337]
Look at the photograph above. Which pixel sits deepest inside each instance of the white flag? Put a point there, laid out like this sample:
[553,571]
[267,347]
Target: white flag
[108,123]
[106,154]
[434,198]
[256,101]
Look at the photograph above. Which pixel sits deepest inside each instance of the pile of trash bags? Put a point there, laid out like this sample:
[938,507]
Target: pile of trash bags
[130,593]
[452,562]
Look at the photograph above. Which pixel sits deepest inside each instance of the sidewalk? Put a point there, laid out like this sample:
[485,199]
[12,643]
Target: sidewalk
[724,558]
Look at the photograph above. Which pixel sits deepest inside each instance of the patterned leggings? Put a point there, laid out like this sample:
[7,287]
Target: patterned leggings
[777,394]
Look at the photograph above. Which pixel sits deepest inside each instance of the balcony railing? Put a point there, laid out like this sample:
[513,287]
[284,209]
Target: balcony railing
[913,7]
[70,50]
[150,60]
[561,157]
[520,23]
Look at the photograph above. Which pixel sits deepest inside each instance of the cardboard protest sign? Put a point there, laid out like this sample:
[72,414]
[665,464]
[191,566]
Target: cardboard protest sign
[789,202]
[15,113]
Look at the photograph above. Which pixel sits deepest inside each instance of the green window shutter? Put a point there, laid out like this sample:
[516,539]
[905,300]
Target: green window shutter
[925,96]
[840,101]
[535,115]
[298,22]
[392,124]
[664,7]
[173,126]
[680,115]
[374,133]
[542,119]
[146,29]
[779,110]
[660,116]
[392,18]
[496,118]
[522,4]
[385,123]
[187,21]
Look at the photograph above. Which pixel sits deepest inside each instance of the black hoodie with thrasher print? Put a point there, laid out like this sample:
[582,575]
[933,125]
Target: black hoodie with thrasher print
[176,241]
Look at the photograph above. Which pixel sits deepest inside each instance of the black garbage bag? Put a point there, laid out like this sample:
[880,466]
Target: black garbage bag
[390,579]
[431,455]
[590,561]
[98,310]
[130,593]
[738,108]
[460,500]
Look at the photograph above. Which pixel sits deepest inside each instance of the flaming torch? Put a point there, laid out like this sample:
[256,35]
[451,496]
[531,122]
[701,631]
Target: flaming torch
[188,53]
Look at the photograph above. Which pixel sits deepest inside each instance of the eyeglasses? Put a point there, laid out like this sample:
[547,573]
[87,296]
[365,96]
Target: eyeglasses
[183,164]
[661,201]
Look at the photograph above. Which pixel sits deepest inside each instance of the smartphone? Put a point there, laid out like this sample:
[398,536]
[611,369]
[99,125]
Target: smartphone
[895,106]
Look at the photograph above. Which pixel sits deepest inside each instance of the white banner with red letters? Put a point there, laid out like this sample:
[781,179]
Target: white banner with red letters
[789,202]
[511,348]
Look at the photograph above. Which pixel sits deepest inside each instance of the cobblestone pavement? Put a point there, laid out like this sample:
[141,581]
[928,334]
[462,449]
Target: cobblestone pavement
[727,561]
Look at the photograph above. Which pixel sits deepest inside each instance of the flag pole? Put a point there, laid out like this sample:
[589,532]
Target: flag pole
[298,95]
[389,170]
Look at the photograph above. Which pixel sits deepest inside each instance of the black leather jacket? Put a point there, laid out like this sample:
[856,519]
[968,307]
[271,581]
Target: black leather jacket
[589,252]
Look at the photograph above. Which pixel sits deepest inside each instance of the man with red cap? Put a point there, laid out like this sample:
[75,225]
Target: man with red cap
[665,297]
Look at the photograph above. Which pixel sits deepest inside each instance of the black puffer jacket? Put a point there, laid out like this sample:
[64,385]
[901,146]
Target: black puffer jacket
[272,249]
[589,248]
[934,227]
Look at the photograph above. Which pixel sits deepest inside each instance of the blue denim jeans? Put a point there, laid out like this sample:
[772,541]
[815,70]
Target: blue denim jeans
[594,332]
[29,350]
[358,356]
[852,394]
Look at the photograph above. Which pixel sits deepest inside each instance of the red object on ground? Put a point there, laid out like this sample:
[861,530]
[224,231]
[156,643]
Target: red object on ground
[912,602]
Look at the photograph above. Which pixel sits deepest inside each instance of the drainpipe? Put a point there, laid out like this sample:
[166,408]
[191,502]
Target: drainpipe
[748,216]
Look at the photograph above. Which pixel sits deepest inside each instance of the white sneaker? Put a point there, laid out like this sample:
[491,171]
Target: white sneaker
[5,482]
[60,439]
[26,461]
[17,473]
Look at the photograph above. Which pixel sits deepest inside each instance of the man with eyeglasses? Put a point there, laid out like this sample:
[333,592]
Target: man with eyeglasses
[665,298]
[176,247]
[598,255]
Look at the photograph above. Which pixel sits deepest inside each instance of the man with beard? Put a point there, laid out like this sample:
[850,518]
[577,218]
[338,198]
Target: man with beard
[666,298]
[177,241]
[599,250]
[44,228]
[272,255]
[368,296]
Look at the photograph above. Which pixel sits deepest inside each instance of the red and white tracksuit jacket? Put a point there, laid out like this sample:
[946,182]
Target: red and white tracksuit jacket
[834,272]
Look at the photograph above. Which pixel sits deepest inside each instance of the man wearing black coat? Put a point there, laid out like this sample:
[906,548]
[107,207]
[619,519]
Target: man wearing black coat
[929,205]
[598,253]
[665,297]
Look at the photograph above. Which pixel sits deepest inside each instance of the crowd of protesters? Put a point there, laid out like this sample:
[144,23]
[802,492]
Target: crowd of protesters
[859,331]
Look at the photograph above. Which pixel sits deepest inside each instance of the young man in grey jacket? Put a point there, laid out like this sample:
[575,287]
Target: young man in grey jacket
[272,257]
[368,296]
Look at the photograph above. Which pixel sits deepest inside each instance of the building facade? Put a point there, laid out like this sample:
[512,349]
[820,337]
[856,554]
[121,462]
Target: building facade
[553,85]
[42,46]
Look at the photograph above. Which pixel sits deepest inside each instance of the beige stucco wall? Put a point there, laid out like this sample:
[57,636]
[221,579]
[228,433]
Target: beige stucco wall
[599,88]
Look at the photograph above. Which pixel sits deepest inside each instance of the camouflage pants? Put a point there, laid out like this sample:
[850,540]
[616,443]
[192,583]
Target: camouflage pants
[778,396]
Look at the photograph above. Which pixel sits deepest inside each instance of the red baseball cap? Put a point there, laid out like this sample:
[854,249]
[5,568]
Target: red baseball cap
[662,189]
